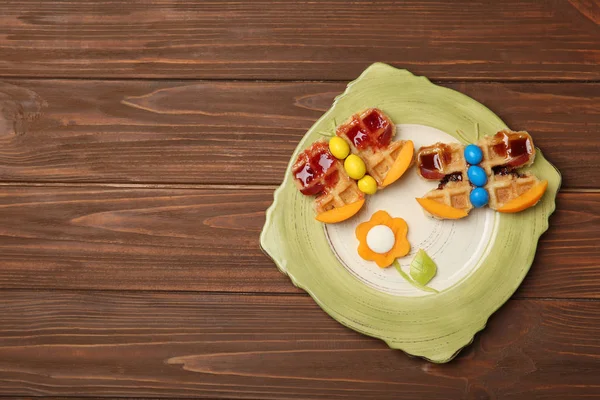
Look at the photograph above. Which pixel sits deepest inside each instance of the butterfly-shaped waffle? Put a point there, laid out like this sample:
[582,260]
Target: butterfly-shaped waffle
[369,134]
[508,189]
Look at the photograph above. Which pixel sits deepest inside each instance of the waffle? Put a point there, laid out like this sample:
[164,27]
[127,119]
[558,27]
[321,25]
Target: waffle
[506,149]
[318,173]
[369,135]
[344,192]
[438,160]
[504,188]
[454,194]
[502,154]
[446,162]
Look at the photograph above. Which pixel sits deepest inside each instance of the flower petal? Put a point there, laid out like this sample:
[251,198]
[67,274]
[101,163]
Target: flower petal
[381,218]
[362,230]
[385,260]
[366,253]
[401,245]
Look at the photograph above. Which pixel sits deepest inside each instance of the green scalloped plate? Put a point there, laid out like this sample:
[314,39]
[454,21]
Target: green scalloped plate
[481,261]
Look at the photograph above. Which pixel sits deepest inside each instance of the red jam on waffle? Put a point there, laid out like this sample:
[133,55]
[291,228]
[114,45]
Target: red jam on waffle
[316,169]
[516,148]
[371,129]
[432,160]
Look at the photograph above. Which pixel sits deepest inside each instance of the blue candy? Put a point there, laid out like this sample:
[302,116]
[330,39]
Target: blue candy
[479,197]
[477,175]
[473,154]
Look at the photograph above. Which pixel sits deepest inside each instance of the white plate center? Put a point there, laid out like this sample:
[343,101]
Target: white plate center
[457,247]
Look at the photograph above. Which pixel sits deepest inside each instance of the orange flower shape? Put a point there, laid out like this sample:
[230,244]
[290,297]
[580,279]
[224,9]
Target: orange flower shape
[401,245]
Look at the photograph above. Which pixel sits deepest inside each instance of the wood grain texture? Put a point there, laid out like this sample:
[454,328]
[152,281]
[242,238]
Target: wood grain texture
[237,132]
[134,187]
[278,347]
[512,39]
[183,239]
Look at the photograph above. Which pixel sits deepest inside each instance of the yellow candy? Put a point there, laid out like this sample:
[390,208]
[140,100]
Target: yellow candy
[355,167]
[339,148]
[367,184]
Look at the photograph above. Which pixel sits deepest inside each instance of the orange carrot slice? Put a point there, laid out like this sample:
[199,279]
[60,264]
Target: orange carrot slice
[340,214]
[526,200]
[440,210]
[401,164]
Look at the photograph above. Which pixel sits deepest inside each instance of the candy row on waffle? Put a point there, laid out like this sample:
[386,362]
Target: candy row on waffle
[502,154]
[369,134]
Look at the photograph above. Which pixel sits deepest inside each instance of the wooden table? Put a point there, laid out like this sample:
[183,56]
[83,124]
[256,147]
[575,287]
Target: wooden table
[140,144]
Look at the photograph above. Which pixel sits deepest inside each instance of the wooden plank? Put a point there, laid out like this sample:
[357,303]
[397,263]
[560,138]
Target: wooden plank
[335,39]
[236,132]
[278,347]
[208,240]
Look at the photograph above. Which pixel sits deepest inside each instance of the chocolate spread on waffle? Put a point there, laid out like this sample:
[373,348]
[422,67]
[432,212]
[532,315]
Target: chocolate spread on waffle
[454,177]
[503,170]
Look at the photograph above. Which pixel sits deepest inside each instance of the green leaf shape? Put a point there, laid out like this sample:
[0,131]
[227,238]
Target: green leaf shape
[411,281]
[422,268]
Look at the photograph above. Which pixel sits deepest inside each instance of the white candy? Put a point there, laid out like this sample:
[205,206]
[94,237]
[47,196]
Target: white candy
[381,239]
